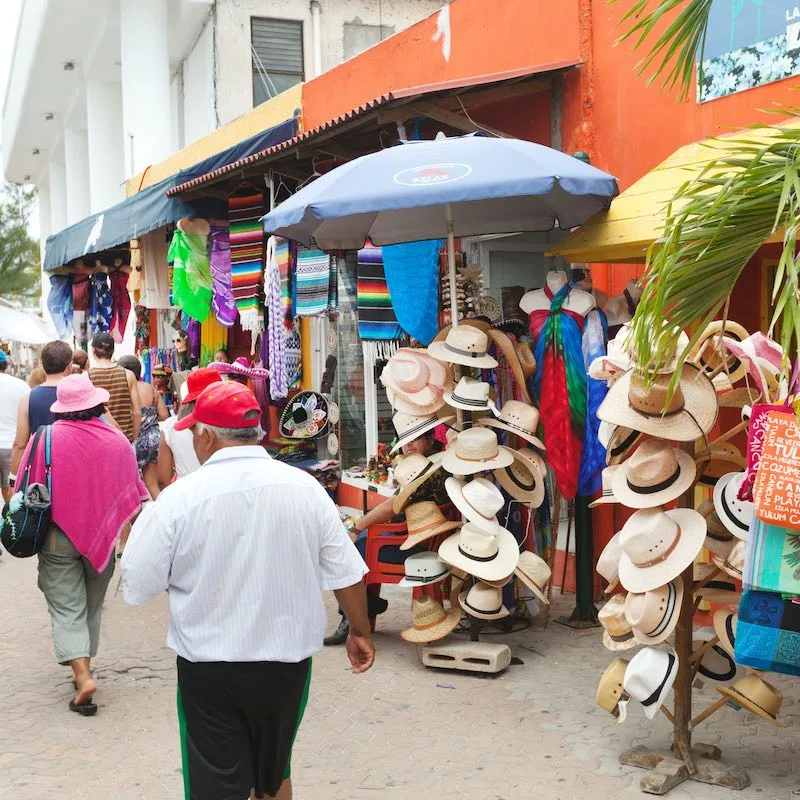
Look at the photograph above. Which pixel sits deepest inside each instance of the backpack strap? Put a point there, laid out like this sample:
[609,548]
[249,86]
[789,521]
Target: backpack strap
[47,456]
[31,453]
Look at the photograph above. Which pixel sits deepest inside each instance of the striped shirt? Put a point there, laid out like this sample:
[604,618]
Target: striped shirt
[115,381]
[244,546]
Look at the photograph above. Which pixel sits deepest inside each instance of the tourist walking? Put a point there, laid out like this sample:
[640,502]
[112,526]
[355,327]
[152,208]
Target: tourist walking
[12,392]
[96,490]
[244,546]
[120,384]
[153,411]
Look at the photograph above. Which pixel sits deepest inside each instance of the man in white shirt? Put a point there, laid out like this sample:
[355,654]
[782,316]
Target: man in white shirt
[244,546]
[12,390]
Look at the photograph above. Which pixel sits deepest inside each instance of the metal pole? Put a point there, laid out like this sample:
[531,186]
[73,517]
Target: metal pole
[585,613]
[451,265]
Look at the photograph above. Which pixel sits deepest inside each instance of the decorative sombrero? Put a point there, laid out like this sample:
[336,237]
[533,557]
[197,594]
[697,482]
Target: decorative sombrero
[305,417]
[240,367]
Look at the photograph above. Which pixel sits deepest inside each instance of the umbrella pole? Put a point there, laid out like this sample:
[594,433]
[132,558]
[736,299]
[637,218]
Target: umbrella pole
[451,266]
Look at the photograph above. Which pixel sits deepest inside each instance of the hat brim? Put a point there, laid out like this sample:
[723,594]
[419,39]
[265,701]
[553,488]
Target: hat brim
[400,402]
[621,444]
[254,373]
[526,579]
[693,533]
[459,466]
[716,663]
[436,632]
[455,491]
[501,566]
[99,397]
[531,494]
[429,426]
[604,500]
[724,630]
[619,645]
[440,352]
[728,569]
[746,703]
[413,539]
[407,583]
[739,398]
[448,398]
[471,612]
[643,638]
[404,495]
[498,423]
[732,331]
[696,418]
[687,471]
[725,518]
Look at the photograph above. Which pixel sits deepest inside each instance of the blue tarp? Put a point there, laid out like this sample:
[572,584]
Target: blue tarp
[151,208]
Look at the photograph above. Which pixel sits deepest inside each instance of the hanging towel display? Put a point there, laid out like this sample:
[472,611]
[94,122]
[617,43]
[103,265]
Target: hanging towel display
[768,633]
[59,303]
[222,300]
[120,304]
[593,456]
[412,272]
[191,273]
[277,253]
[772,558]
[247,257]
[100,303]
[376,318]
[312,282]
[155,273]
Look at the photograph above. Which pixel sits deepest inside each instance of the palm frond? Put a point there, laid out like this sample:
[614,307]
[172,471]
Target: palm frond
[680,30]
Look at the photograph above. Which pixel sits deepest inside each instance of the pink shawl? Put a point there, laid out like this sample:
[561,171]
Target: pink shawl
[96,486]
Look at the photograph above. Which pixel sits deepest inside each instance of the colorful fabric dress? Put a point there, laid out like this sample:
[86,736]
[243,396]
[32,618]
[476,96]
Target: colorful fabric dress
[101,303]
[146,443]
[222,301]
[121,304]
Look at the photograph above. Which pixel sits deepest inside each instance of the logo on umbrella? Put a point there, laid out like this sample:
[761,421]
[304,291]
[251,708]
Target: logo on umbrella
[432,174]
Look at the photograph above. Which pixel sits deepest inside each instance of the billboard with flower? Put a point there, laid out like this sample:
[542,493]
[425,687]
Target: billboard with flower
[749,43]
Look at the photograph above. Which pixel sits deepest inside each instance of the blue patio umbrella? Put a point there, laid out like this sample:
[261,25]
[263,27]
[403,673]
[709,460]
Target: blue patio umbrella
[459,186]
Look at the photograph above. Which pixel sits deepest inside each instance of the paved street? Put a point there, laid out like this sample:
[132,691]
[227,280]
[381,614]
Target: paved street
[398,731]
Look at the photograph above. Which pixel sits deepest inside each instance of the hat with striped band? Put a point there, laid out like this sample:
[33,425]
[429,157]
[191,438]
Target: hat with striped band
[483,601]
[410,427]
[524,478]
[465,345]
[618,441]
[471,395]
[649,678]
[733,513]
[716,663]
[653,615]
[608,493]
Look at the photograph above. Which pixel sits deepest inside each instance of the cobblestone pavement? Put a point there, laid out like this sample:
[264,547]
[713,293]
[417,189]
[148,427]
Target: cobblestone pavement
[398,731]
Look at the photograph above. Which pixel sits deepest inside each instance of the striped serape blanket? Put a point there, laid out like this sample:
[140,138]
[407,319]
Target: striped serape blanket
[376,317]
[247,258]
[312,282]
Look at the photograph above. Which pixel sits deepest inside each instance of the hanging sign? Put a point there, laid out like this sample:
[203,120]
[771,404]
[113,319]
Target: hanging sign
[777,488]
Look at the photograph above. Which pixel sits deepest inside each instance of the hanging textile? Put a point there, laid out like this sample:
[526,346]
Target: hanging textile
[247,258]
[333,283]
[156,356]
[100,303]
[213,337]
[772,558]
[593,456]
[412,272]
[222,301]
[768,633]
[277,254]
[155,273]
[80,309]
[376,319]
[312,282]
[261,387]
[285,262]
[142,328]
[293,356]
[191,273]
[136,279]
[192,329]
[560,388]
[59,303]
[120,304]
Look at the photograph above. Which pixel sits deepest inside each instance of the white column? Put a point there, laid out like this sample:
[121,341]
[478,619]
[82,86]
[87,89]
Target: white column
[58,196]
[76,162]
[43,193]
[145,83]
[106,151]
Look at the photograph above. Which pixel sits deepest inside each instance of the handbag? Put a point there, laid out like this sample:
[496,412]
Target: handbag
[25,521]
[768,633]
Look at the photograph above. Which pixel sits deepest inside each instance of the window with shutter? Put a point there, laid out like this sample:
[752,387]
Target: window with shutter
[277,56]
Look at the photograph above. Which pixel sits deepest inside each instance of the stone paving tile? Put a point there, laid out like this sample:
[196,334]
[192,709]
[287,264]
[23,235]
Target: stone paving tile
[399,731]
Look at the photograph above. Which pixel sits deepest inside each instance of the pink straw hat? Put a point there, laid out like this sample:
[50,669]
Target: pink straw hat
[77,393]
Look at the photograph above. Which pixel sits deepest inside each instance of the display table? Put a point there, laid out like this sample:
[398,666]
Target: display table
[361,493]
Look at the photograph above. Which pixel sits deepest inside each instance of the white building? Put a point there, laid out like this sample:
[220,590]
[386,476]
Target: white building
[101,89]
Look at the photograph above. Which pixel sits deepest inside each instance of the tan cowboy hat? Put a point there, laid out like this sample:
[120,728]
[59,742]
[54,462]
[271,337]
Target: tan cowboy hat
[607,495]
[430,622]
[691,411]
[526,359]
[504,346]
[479,500]
[618,441]
[483,602]
[716,663]
[754,694]
[733,563]
[654,614]
[518,418]
[533,571]
[423,569]
[410,427]
[410,473]
[725,623]
[710,354]
[617,631]
[475,450]
[717,461]
[425,520]
[733,513]
[654,475]
[658,545]
[608,563]
[486,556]
[610,689]
[465,345]
[471,395]
[524,478]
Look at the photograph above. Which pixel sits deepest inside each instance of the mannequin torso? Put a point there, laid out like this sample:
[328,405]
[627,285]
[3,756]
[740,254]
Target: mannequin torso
[579,302]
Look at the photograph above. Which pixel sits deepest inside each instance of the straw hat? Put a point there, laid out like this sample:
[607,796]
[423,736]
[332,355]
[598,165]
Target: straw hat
[733,563]
[430,622]
[720,459]
[618,441]
[526,359]
[710,354]
[650,676]
[425,520]
[754,694]
[470,395]
[654,475]
[617,631]
[610,689]
[479,500]
[608,493]
[410,427]
[691,411]
[465,345]
[410,473]
[423,569]
[486,556]
[653,615]
[519,418]
[475,450]
[608,368]
[621,349]
[608,563]
[415,381]
[719,540]
[533,571]
[715,664]
[510,351]
[739,397]
[483,601]
[725,623]
[524,478]
[733,513]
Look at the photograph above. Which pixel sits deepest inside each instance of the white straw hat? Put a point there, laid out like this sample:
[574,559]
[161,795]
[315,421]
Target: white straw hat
[650,676]
[608,563]
[410,473]
[479,500]
[410,427]
[719,540]
[423,569]
[607,495]
[733,513]
[733,563]
[618,441]
[483,602]
[486,556]
[711,355]
[534,572]
[475,450]
[653,615]
[465,345]
[519,418]
[415,380]
[471,395]
[524,478]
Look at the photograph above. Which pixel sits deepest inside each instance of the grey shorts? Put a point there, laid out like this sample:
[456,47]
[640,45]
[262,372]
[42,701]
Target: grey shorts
[5,467]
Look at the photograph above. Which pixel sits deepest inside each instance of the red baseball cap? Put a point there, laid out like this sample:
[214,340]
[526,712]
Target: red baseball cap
[224,404]
[197,381]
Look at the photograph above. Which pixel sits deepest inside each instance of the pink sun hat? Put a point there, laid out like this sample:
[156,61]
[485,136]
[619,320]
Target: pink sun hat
[415,381]
[77,393]
[763,357]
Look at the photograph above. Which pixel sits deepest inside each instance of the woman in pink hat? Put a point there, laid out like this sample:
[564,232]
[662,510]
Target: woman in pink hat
[95,492]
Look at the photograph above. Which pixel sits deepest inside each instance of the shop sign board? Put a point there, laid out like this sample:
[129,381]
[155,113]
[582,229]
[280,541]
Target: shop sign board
[777,488]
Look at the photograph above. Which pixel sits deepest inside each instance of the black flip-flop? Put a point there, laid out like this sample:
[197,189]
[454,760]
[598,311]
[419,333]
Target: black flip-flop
[84,709]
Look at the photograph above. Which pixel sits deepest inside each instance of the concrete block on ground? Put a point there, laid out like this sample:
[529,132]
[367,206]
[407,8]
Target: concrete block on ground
[485,657]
